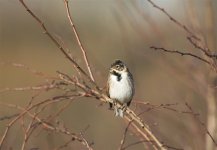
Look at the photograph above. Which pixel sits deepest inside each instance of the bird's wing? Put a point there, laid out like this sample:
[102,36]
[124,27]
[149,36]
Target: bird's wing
[107,91]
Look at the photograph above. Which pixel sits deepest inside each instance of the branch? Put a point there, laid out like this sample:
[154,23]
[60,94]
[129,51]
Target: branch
[130,115]
[45,124]
[135,143]
[57,44]
[78,40]
[184,27]
[27,68]
[205,51]
[181,53]
[201,123]
[8,117]
[96,93]
[40,87]
[124,135]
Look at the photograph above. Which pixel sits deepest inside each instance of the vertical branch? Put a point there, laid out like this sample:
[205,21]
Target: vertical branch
[211,118]
[78,40]
[75,64]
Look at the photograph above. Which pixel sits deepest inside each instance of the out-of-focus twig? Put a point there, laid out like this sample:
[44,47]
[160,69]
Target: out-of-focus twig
[45,124]
[29,69]
[124,135]
[174,20]
[40,87]
[135,143]
[156,146]
[204,50]
[8,117]
[181,53]
[191,36]
[201,123]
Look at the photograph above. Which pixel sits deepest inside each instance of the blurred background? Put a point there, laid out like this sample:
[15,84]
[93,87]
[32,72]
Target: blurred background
[109,30]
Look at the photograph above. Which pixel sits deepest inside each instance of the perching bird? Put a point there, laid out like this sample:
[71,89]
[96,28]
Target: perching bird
[120,86]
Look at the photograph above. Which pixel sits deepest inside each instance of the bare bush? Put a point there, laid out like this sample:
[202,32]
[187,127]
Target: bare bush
[36,118]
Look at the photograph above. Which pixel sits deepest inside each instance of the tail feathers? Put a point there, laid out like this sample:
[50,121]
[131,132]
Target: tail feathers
[110,105]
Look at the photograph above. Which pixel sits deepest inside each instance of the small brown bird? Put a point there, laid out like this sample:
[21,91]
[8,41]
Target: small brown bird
[120,86]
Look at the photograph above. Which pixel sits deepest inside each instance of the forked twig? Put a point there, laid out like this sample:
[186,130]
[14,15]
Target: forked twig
[75,64]
[205,51]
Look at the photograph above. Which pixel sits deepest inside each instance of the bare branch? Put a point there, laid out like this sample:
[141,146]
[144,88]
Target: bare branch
[174,20]
[45,124]
[181,53]
[201,123]
[204,50]
[57,44]
[40,87]
[124,135]
[78,40]
[8,117]
[27,68]
[135,143]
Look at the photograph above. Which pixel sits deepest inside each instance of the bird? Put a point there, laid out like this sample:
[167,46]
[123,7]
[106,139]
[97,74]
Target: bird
[120,86]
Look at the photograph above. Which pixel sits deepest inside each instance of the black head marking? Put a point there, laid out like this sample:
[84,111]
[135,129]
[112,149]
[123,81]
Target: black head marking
[118,65]
[118,75]
[117,62]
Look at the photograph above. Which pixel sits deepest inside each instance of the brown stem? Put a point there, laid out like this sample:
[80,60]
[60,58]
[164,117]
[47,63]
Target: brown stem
[78,40]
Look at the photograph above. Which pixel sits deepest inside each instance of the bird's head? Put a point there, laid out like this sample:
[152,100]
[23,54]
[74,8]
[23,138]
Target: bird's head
[118,66]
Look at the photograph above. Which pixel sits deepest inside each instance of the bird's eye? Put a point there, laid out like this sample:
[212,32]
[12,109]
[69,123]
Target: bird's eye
[117,66]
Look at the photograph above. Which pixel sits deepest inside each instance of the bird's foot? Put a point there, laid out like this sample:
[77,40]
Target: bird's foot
[124,107]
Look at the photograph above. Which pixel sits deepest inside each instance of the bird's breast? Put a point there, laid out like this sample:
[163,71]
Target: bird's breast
[121,90]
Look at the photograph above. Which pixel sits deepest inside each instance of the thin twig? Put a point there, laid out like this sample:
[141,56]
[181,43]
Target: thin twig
[75,64]
[138,122]
[181,53]
[40,87]
[124,135]
[135,143]
[174,20]
[204,50]
[78,40]
[85,141]
[45,124]
[27,68]
[201,123]
[8,117]
[105,98]
[155,145]
[65,144]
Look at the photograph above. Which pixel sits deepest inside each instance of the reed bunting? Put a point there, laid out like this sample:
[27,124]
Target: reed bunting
[120,86]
